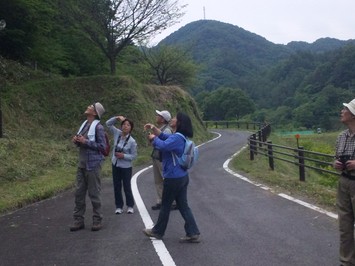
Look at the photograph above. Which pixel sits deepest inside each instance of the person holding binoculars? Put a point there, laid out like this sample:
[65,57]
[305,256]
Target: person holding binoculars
[345,162]
[123,154]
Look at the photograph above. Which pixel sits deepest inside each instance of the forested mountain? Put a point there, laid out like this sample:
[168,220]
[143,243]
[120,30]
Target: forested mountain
[320,45]
[232,56]
[229,55]
[231,72]
[298,84]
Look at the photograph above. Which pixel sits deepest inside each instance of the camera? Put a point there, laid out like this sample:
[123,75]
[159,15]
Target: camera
[344,158]
[117,149]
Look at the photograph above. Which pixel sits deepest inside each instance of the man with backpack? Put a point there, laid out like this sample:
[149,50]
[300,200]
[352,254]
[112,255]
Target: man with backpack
[91,141]
[162,120]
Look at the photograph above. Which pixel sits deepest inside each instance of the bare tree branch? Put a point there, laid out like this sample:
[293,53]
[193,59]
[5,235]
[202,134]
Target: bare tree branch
[114,24]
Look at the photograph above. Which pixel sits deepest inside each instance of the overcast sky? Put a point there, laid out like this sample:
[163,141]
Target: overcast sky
[279,21]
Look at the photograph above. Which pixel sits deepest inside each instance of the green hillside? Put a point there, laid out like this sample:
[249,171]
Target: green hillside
[298,85]
[40,116]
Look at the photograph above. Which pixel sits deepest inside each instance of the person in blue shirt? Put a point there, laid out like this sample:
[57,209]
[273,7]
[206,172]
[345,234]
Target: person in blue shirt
[176,179]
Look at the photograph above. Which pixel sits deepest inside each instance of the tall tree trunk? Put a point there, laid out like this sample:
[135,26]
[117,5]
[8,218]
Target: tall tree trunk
[113,65]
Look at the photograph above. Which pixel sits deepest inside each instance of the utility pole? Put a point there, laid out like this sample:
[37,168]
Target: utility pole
[204,13]
[2,26]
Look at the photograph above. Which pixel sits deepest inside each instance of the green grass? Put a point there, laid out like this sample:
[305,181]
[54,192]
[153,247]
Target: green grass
[34,170]
[319,189]
[19,193]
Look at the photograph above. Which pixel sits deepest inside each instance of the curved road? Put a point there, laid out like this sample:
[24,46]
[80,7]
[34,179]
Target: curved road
[240,223]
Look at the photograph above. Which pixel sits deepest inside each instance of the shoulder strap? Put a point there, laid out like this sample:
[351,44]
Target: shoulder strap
[96,129]
[173,154]
[126,141]
[164,127]
[178,133]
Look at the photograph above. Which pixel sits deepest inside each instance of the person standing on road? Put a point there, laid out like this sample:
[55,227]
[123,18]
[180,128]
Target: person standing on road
[90,139]
[124,152]
[345,162]
[162,120]
[176,179]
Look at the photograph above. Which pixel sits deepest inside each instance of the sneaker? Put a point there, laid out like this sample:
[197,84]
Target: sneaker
[190,239]
[96,226]
[77,226]
[156,207]
[150,233]
[130,210]
[118,211]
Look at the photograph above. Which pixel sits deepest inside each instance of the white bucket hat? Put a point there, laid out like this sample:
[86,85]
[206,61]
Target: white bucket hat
[99,109]
[165,114]
[350,106]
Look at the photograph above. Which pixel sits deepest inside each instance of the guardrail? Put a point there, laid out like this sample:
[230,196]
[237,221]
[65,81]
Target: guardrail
[258,144]
[233,124]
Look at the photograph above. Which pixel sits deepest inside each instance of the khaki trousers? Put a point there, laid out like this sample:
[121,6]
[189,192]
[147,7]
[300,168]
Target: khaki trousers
[158,179]
[88,182]
[346,211]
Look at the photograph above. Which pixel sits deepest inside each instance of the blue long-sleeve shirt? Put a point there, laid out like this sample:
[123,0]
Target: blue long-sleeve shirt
[168,144]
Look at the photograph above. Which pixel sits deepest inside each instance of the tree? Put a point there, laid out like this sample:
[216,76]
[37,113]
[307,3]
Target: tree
[225,104]
[114,24]
[27,21]
[171,65]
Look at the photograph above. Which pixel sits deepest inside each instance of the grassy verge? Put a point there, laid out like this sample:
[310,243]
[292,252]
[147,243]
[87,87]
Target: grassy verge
[34,169]
[318,189]
[19,193]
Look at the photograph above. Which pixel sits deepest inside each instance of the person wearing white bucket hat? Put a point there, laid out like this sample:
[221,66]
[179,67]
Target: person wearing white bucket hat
[350,106]
[90,139]
[345,163]
[162,120]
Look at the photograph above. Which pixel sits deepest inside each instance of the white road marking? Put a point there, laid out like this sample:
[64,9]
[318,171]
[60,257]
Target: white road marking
[159,245]
[303,203]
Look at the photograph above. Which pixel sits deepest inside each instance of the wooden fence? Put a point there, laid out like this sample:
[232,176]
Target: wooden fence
[258,144]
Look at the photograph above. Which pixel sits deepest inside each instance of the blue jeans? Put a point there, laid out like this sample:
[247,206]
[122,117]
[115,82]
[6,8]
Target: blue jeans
[122,176]
[175,189]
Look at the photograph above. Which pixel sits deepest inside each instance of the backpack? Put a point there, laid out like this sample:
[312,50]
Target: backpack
[189,156]
[106,151]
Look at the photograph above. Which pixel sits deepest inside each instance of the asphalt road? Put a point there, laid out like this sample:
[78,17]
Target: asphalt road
[240,224]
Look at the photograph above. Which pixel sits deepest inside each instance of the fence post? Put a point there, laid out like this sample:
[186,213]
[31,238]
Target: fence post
[1,135]
[301,163]
[263,134]
[270,155]
[216,124]
[252,146]
[227,124]
[260,138]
